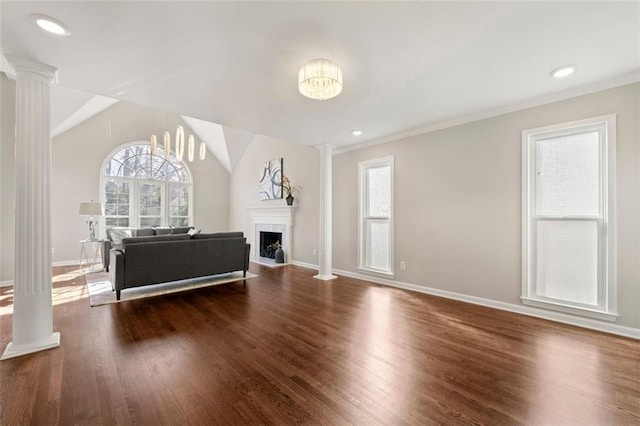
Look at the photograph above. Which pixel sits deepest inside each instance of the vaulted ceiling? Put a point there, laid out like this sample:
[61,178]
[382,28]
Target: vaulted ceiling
[406,65]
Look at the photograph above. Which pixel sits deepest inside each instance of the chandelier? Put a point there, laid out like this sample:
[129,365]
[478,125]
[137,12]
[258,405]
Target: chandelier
[180,145]
[320,79]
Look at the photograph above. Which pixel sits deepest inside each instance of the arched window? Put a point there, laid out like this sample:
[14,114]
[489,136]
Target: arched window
[142,190]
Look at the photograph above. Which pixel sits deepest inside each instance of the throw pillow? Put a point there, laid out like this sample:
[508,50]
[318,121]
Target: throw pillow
[193,231]
[118,234]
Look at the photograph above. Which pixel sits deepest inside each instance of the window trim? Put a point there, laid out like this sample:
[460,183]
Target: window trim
[362,167]
[606,221]
[135,194]
[189,187]
[133,191]
[103,218]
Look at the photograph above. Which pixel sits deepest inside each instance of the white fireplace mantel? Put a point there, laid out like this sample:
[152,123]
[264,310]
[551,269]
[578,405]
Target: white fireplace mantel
[272,219]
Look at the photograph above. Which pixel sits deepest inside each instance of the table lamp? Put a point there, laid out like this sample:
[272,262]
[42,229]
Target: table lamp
[91,209]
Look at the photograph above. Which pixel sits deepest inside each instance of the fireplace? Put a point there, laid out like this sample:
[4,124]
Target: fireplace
[270,220]
[268,243]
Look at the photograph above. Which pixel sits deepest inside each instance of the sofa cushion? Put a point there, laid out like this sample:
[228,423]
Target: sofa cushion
[218,235]
[152,239]
[144,232]
[193,231]
[182,229]
[162,230]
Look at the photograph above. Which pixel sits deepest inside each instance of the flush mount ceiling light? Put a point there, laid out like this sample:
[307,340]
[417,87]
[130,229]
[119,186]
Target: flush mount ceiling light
[320,79]
[51,25]
[563,71]
[356,132]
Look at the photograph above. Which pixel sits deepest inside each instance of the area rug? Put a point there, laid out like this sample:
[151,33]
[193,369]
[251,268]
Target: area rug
[101,293]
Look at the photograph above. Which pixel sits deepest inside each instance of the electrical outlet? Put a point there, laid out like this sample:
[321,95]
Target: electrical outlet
[53,250]
[315,252]
[403,265]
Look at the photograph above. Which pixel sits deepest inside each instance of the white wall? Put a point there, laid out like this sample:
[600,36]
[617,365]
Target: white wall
[302,166]
[77,157]
[458,195]
[7,173]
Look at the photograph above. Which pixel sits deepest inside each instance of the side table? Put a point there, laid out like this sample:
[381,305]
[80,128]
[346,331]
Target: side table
[89,254]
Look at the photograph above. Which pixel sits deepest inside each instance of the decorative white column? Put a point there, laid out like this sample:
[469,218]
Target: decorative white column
[324,272]
[32,301]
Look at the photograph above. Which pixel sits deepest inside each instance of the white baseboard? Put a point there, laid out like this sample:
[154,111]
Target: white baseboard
[607,327]
[305,265]
[9,283]
[66,263]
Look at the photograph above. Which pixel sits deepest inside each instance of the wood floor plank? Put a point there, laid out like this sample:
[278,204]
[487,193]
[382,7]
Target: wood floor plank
[285,348]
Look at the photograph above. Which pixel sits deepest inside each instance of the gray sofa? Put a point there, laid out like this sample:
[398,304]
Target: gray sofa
[163,258]
[115,235]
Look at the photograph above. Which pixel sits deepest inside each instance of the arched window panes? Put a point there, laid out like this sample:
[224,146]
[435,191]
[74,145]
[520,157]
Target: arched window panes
[143,190]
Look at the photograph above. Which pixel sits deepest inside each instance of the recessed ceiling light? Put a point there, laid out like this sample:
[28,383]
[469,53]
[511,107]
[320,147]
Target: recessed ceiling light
[356,132]
[51,25]
[563,71]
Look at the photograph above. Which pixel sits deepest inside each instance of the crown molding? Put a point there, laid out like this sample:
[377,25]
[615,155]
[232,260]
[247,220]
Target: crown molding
[621,80]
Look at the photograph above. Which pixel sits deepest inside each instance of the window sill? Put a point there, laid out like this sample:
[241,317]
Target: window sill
[374,272]
[584,312]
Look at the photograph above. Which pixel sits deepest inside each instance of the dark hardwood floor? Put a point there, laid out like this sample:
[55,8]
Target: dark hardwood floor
[287,348]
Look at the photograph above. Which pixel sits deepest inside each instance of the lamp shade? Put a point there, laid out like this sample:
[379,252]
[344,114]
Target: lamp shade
[90,209]
[320,79]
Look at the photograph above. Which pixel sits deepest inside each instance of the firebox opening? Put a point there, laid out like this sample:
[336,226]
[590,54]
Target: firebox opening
[269,242]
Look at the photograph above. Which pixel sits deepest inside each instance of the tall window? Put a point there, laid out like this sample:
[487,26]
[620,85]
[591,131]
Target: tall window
[376,217]
[568,217]
[144,190]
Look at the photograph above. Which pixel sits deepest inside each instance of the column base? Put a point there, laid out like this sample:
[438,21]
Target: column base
[325,277]
[14,350]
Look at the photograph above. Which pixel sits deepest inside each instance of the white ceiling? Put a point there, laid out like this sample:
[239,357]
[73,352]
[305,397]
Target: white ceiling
[225,143]
[71,107]
[406,65]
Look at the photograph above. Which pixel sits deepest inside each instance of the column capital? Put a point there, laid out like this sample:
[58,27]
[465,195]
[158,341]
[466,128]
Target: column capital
[21,65]
[326,147]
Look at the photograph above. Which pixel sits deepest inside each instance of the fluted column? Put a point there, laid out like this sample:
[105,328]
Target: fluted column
[324,272]
[32,302]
